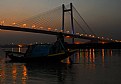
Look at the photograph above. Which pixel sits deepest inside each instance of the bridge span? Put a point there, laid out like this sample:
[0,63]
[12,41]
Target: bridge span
[93,39]
[73,23]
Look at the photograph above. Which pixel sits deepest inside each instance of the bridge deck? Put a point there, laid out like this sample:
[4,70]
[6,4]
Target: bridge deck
[50,33]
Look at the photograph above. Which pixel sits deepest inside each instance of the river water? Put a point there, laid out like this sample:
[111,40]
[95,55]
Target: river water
[90,66]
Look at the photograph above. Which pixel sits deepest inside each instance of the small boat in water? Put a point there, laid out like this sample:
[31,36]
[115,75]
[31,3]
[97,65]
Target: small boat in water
[41,53]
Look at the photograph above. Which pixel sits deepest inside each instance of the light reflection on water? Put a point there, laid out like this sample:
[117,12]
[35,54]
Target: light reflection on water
[90,66]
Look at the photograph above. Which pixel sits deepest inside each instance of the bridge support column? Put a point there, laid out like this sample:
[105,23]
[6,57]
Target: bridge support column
[60,37]
[72,24]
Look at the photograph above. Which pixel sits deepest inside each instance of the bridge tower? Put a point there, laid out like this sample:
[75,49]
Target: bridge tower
[64,10]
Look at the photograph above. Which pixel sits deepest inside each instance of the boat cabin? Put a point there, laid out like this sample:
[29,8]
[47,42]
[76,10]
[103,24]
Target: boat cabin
[38,50]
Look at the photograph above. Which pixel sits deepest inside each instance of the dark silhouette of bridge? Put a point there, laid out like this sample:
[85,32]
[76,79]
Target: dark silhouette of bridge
[94,39]
[68,25]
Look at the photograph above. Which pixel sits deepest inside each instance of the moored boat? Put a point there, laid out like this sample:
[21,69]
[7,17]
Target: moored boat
[41,53]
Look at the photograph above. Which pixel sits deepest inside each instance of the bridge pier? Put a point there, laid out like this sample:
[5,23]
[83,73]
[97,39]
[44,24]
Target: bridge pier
[60,37]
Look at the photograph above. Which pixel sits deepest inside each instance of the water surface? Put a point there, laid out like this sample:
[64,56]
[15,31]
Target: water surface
[90,66]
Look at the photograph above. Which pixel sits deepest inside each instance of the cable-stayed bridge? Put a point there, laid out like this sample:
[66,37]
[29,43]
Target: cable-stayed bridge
[63,19]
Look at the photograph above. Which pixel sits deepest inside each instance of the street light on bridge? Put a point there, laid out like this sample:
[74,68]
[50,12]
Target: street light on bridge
[33,26]
[13,24]
[77,33]
[49,29]
[41,27]
[55,29]
[90,35]
[24,25]
[2,22]
[93,36]
[61,31]
[85,34]
[67,31]
[81,34]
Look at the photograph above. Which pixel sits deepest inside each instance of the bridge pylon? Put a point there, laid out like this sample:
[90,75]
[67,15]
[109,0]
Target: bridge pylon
[64,10]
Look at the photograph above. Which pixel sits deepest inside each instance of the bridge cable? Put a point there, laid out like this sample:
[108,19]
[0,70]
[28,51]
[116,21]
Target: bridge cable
[78,24]
[85,22]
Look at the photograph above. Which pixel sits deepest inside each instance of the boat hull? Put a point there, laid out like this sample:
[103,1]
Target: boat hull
[50,58]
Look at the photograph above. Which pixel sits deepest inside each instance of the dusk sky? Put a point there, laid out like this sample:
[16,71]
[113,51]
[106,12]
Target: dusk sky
[103,16]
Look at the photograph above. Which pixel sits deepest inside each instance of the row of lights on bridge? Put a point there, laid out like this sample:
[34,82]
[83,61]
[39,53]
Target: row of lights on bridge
[50,29]
[93,36]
